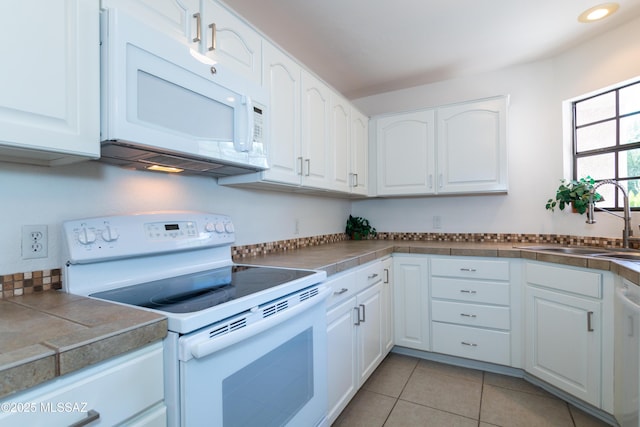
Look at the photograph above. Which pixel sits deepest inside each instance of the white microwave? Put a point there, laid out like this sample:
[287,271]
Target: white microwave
[168,107]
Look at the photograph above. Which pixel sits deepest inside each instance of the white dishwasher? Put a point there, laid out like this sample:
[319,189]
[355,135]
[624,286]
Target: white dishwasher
[627,355]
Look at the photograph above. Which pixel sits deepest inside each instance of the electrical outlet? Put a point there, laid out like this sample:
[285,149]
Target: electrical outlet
[296,227]
[437,222]
[35,241]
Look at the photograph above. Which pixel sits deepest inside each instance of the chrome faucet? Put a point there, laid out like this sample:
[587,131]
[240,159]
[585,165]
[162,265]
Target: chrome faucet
[626,232]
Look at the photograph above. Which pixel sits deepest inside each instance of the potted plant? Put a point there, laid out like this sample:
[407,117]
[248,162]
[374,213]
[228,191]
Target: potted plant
[575,193]
[358,228]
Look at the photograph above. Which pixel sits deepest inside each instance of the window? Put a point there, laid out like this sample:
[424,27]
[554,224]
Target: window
[606,142]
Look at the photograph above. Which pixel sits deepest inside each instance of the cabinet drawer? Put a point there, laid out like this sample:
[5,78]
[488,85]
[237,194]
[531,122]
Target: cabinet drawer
[343,286]
[470,268]
[580,282]
[472,343]
[470,290]
[485,316]
[372,274]
[117,389]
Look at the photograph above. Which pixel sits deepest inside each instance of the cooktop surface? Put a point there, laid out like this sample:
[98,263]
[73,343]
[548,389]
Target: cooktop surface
[202,290]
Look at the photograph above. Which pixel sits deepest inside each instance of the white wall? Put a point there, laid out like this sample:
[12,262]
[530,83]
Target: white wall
[40,195]
[535,142]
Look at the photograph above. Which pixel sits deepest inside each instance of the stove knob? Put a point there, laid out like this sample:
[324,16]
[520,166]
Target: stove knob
[229,227]
[209,227]
[219,227]
[109,234]
[86,236]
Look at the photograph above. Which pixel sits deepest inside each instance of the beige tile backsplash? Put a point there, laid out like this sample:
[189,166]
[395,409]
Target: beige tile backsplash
[43,280]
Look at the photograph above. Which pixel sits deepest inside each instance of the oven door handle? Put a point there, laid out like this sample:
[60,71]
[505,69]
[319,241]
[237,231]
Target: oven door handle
[208,346]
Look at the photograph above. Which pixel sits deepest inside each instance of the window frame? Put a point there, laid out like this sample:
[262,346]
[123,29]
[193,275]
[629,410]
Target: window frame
[615,149]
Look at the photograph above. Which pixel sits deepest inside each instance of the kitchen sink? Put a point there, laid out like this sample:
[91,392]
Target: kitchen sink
[627,256]
[614,253]
[571,250]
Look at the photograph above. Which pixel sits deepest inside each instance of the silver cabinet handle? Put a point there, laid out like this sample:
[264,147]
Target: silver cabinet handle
[198,27]
[372,276]
[308,162]
[469,344]
[468,315]
[589,319]
[341,291]
[440,181]
[470,270]
[357,322]
[355,178]
[467,291]
[213,36]
[386,275]
[91,416]
[364,313]
[300,159]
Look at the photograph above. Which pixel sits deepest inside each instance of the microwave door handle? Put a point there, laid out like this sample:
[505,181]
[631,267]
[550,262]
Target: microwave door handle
[247,145]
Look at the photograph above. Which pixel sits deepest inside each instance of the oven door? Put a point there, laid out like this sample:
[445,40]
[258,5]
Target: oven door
[272,372]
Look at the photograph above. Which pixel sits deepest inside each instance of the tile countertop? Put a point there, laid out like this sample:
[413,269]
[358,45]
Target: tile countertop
[49,334]
[336,257]
[52,333]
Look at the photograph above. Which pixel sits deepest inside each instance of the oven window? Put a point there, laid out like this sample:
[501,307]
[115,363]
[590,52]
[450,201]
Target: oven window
[272,389]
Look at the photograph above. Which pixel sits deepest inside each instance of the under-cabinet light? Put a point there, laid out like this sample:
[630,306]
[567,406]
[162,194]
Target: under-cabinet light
[159,168]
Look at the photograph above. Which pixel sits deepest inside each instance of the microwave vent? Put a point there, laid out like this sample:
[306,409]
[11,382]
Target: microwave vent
[133,156]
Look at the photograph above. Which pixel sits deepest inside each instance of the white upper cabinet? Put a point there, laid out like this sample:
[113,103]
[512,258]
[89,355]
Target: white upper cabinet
[49,81]
[282,80]
[472,147]
[340,144]
[173,17]
[359,174]
[315,109]
[405,153]
[454,149]
[225,38]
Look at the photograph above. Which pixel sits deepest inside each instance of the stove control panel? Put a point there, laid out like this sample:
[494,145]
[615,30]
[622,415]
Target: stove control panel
[113,237]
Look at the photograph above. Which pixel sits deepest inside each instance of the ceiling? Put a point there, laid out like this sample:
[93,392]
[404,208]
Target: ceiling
[364,47]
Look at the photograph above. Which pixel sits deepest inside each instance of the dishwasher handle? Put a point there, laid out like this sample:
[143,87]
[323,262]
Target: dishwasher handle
[207,346]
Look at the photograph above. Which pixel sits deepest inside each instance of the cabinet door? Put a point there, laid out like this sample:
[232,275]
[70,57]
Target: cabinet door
[315,132]
[342,357]
[227,39]
[405,153]
[49,81]
[369,304]
[340,143]
[472,147]
[359,179]
[563,336]
[387,306]
[172,17]
[282,79]
[411,303]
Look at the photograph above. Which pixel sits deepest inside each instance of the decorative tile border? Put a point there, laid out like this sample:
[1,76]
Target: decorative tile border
[44,280]
[31,282]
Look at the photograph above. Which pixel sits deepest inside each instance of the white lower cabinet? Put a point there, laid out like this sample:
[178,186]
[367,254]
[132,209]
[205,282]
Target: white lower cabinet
[127,390]
[471,308]
[565,324]
[411,301]
[355,332]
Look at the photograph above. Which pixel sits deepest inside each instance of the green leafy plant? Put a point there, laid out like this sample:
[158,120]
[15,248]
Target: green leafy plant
[574,193]
[359,228]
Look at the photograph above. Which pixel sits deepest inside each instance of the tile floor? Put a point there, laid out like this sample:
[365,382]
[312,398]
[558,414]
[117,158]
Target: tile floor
[405,391]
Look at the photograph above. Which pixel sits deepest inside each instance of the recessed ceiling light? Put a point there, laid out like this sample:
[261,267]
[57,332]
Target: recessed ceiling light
[599,12]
